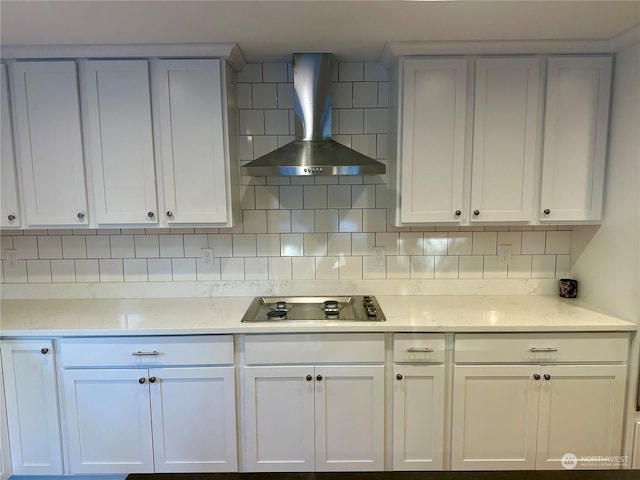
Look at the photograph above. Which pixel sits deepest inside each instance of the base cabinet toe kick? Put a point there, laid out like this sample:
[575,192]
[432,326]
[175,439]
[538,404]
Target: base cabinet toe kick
[314,402]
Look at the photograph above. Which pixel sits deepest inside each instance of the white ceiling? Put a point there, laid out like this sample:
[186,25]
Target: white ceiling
[272,30]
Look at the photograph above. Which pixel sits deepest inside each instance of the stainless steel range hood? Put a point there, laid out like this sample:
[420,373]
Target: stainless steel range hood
[313,152]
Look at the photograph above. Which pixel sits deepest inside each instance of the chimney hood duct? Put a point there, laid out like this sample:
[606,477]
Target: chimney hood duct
[313,152]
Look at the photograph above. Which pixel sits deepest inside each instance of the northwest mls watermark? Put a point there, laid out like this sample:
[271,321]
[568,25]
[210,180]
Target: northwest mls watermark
[570,461]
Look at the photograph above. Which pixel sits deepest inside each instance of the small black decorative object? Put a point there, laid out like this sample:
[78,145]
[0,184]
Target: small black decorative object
[568,288]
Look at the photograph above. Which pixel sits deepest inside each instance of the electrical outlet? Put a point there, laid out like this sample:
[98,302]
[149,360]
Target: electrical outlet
[378,256]
[504,254]
[207,256]
[11,259]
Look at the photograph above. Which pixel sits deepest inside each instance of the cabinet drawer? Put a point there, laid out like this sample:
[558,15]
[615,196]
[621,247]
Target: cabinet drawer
[418,348]
[314,348]
[153,351]
[537,348]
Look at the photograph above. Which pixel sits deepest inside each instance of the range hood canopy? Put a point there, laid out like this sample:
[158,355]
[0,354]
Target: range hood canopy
[313,152]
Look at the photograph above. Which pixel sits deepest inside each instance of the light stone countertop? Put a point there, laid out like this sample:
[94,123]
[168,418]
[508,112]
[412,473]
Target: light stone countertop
[217,315]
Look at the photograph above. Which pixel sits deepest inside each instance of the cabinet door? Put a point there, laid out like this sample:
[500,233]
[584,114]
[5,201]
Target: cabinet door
[109,421]
[495,412]
[32,407]
[192,148]
[5,457]
[279,419]
[433,140]
[349,418]
[9,207]
[194,419]
[120,149]
[581,412]
[505,135]
[418,417]
[575,139]
[49,143]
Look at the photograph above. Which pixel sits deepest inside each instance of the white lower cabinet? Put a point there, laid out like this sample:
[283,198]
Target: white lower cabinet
[528,416]
[313,417]
[32,407]
[5,460]
[152,418]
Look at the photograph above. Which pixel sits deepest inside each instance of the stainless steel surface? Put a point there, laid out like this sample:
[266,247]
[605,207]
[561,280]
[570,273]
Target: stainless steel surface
[139,353]
[313,152]
[543,350]
[349,308]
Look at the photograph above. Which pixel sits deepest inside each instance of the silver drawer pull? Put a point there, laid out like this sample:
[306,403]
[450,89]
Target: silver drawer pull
[140,354]
[542,350]
[419,349]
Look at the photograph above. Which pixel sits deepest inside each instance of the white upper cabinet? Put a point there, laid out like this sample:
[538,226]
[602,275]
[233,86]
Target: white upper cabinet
[575,138]
[120,141]
[192,140]
[49,143]
[505,139]
[429,179]
[9,206]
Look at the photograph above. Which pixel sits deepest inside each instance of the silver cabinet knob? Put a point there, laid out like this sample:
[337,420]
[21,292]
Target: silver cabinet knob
[152,379]
[458,213]
[141,380]
[80,215]
[169,214]
[399,376]
[536,376]
[308,378]
[11,217]
[319,377]
[547,376]
[151,214]
[44,351]
[547,211]
[476,212]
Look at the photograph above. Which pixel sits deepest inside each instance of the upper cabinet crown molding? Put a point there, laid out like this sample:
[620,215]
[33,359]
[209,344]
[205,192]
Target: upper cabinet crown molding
[230,51]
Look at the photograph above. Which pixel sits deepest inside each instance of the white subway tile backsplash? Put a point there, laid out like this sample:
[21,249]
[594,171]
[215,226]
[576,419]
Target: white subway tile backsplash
[285,96]
[363,196]
[267,196]
[222,245]
[146,246]
[254,221]
[342,95]
[280,268]
[411,243]
[276,122]
[303,221]
[327,220]
[63,271]
[135,270]
[372,271]
[291,197]
[563,266]
[533,242]
[365,94]
[376,120]
[262,146]
[374,72]
[15,275]
[362,243]
[460,243]
[422,266]
[350,220]
[74,246]
[159,270]
[351,71]
[244,96]
[315,197]
[207,271]
[268,245]
[446,266]
[111,270]
[232,268]
[339,196]
[327,268]
[122,246]
[27,247]
[265,95]
[171,246]
[278,221]
[364,144]
[251,122]
[492,269]
[274,72]
[278,180]
[383,95]
[352,121]
[350,267]
[374,220]
[520,266]
[49,247]
[291,244]
[251,72]
[315,244]
[398,266]
[485,243]
[38,271]
[558,242]
[245,147]
[87,271]
[388,240]
[303,268]
[511,238]
[470,266]
[435,243]
[256,268]
[543,266]
[244,245]
[339,244]
[351,179]
[99,246]
[193,245]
